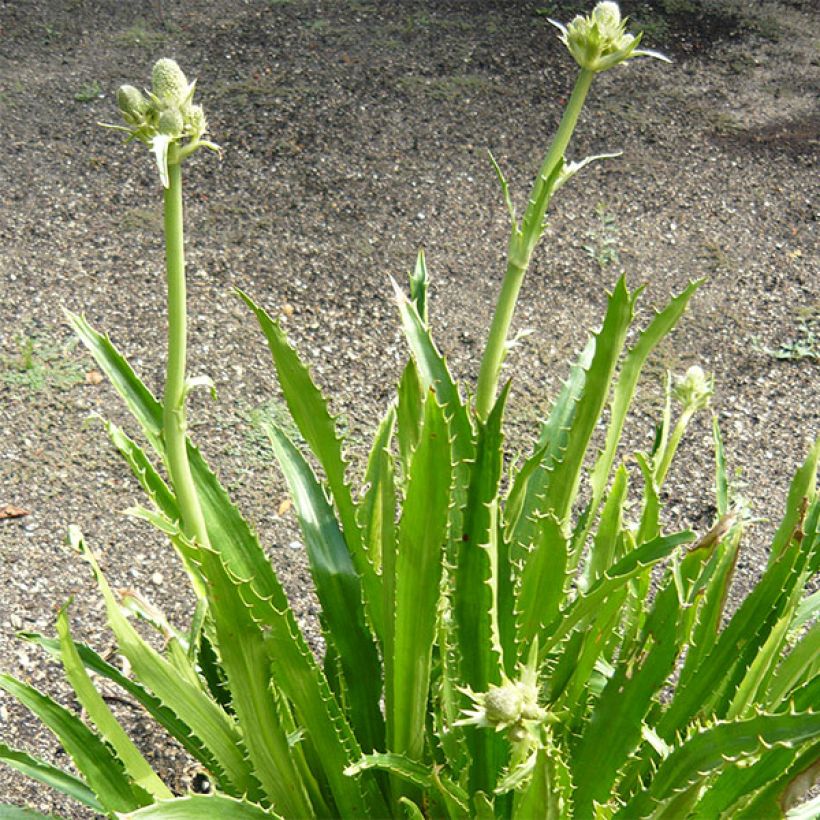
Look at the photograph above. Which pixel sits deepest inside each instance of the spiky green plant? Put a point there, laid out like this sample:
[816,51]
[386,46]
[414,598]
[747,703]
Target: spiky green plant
[490,650]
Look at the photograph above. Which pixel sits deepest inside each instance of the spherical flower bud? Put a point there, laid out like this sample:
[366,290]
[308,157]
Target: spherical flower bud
[195,120]
[131,103]
[168,82]
[503,704]
[170,122]
[694,389]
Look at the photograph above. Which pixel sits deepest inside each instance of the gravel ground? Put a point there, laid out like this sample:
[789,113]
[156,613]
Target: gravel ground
[354,133]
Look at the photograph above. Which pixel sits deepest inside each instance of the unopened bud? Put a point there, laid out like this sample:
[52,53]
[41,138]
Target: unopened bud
[694,389]
[169,83]
[170,122]
[131,103]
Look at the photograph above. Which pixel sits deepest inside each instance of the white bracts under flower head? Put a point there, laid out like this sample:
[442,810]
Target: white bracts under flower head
[600,41]
[694,389]
[166,117]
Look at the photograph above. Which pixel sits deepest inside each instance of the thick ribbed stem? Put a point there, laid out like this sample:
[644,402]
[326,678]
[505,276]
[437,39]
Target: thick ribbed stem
[173,410]
[521,247]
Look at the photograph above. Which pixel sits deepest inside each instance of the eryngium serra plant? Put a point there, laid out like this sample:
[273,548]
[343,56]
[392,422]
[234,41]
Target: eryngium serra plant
[494,644]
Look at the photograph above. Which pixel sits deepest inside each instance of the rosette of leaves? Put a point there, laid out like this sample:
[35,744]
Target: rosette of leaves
[494,644]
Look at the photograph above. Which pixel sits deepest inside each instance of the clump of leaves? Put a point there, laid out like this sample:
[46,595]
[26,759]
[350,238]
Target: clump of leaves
[490,651]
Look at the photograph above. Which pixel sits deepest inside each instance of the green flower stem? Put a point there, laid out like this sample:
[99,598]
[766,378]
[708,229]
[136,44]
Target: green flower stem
[173,411]
[522,244]
[672,446]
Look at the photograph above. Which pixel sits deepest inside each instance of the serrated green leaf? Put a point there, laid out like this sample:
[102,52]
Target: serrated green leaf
[48,775]
[197,806]
[135,764]
[634,563]
[377,511]
[708,750]
[339,589]
[613,731]
[418,565]
[625,386]
[604,547]
[419,282]
[97,764]
[9,812]
[802,662]
[418,774]
[309,410]
[189,702]
[409,409]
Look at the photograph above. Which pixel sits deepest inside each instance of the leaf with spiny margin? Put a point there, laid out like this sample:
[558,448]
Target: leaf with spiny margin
[9,812]
[631,565]
[532,225]
[548,793]
[803,486]
[136,766]
[709,749]
[419,282]
[474,588]
[613,731]
[164,716]
[721,479]
[227,529]
[800,664]
[377,510]
[565,478]
[785,788]
[197,806]
[95,761]
[408,414]
[712,603]
[543,579]
[433,372]
[309,409]
[422,534]
[48,775]
[625,386]
[506,573]
[425,777]
[529,483]
[206,719]
[296,673]
[718,675]
[603,551]
[339,589]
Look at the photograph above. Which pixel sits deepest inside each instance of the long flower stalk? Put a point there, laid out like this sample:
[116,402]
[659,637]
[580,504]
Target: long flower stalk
[173,407]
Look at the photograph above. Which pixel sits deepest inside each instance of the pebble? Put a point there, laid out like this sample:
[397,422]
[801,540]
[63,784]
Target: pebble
[157,579]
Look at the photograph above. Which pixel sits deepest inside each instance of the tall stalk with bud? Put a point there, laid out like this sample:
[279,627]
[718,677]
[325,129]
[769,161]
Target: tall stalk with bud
[492,648]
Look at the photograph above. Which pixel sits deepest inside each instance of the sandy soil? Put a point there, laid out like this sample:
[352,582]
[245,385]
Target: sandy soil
[354,133]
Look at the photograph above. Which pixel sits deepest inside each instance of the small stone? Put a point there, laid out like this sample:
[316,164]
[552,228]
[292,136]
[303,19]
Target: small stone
[157,579]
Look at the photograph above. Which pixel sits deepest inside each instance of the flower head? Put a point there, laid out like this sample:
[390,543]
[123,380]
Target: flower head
[600,40]
[694,389]
[165,117]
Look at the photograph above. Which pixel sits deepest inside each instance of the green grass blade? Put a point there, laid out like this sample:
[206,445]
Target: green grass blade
[309,410]
[418,566]
[707,751]
[97,764]
[49,776]
[206,719]
[197,806]
[98,712]
[339,589]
